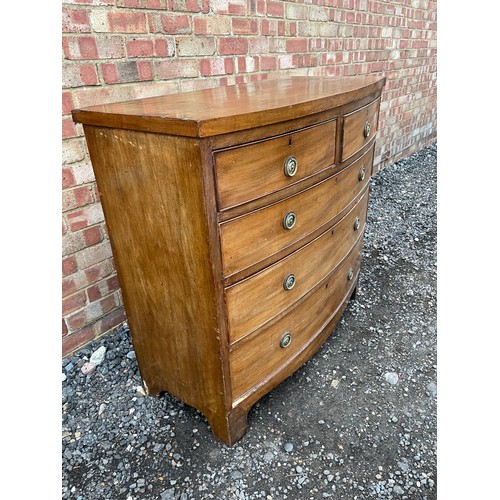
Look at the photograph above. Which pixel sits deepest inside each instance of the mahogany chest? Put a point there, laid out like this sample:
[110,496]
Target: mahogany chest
[236,218]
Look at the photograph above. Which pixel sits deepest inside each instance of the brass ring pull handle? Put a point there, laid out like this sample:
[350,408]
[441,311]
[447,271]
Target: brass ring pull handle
[357,223]
[350,274]
[291,166]
[289,282]
[286,340]
[362,174]
[289,220]
[367,129]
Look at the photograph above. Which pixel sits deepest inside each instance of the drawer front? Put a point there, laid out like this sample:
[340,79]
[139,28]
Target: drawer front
[254,301]
[360,127]
[253,237]
[248,172]
[256,359]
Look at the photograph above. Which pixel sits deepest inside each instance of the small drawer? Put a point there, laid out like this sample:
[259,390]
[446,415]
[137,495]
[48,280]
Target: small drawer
[258,358]
[291,278]
[360,127]
[258,235]
[251,171]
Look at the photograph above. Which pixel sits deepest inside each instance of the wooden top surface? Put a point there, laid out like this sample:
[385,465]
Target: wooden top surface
[220,110]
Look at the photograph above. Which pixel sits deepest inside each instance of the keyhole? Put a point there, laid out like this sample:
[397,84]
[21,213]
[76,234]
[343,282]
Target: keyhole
[290,141]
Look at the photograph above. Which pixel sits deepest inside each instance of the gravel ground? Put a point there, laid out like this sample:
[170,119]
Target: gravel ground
[357,421]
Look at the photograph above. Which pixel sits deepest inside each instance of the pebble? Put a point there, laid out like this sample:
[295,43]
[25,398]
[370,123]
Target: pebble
[398,490]
[98,356]
[288,447]
[392,378]
[432,389]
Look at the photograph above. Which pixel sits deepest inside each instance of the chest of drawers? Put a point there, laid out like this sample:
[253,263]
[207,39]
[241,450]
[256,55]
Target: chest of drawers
[236,218]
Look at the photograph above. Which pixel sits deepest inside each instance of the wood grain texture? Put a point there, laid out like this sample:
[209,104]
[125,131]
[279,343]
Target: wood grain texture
[254,170]
[257,358]
[160,239]
[246,311]
[353,137]
[208,112]
[253,237]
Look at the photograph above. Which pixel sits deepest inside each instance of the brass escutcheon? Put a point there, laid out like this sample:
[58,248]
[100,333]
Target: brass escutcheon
[289,282]
[367,129]
[357,223]
[291,166]
[289,220]
[286,340]
[362,173]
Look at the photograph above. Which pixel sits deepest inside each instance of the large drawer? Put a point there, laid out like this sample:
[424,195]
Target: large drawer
[247,172]
[260,356]
[258,235]
[359,128]
[255,300]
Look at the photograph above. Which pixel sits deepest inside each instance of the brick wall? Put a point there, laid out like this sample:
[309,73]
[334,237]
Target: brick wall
[115,50]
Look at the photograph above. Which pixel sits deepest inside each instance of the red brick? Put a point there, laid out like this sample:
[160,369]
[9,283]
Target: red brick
[84,217]
[187,5]
[82,47]
[111,320]
[77,197]
[68,179]
[245,26]
[175,24]
[99,271]
[127,22]
[103,288]
[276,9]
[67,103]
[219,66]
[145,70]
[92,235]
[237,8]
[68,286]
[68,128]
[268,63]
[110,73]
[69,266]
[233,46]
[73,302]
[177,68]
[296,45]
[140,48]
[74,341]
[64,328]
[164,48]
[208,25]
[88,74]
[75,21]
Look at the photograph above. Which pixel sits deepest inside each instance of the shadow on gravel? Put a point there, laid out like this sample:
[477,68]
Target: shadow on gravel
[357,421]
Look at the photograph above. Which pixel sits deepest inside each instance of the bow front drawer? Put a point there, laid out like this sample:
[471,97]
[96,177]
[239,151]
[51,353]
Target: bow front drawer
[291,278]
[256,169]
[359,129]
[253,237]
[271,349]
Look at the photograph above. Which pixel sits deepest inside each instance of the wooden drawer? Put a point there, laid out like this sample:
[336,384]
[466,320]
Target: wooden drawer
[359,128]
[246,308]
[259,357]
[258,235]
[254,170]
